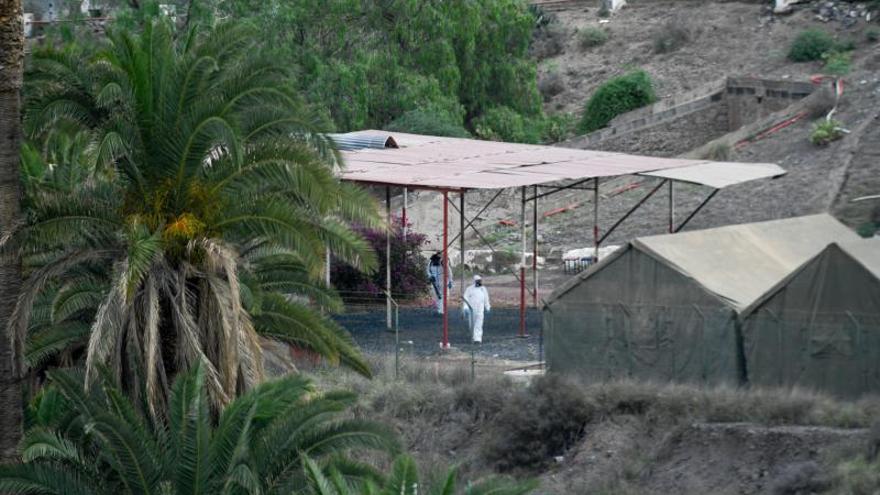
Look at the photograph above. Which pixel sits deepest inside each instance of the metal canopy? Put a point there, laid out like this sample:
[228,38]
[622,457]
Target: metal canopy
[457,165]
[719,175]
[432,162]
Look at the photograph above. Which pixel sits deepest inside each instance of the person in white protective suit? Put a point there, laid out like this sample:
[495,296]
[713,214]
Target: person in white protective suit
[477,298]
[435,275]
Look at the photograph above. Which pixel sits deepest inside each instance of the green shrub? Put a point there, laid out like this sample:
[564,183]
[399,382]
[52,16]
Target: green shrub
[868,229]
[672,36]
[592,37]
[558,128]
[837,63]
[504,124]
[429,122]
[872,35]
[858,477]
[617,96]
[826,131]
[811,45]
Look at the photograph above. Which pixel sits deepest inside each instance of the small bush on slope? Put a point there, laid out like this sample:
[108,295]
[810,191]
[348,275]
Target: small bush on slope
[811,45]
[825,132]
[615,97]
[672,36]
[591,37]
[540,423]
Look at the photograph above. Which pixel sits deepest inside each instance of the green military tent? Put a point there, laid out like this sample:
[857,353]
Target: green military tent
[666,307]
[819,327]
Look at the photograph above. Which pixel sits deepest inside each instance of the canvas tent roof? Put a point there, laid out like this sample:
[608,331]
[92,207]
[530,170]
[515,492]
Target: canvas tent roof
[434,162]
[737,263]
[865,252]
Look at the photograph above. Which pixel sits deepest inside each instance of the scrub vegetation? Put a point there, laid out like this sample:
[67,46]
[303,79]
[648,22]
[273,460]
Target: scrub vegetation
[548,428]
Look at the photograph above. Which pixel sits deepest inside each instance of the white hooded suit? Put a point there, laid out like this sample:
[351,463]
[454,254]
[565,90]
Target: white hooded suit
[478,299]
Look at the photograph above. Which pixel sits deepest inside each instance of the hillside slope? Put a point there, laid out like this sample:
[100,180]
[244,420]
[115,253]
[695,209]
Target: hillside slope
[726,38]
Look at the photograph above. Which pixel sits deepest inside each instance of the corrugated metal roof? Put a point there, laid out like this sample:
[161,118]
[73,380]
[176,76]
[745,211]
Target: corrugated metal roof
[455,163]
[739,263]
[352,141]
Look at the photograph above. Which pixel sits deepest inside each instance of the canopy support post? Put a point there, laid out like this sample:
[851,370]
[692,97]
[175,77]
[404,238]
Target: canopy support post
[388,257]
[596,240]
[445,268]
[522,265]
[671,207]
[535,247]
[461,243]
[403,213]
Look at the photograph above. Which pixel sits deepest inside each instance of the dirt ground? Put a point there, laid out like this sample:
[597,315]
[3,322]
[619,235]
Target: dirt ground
[702,458]
[641,438]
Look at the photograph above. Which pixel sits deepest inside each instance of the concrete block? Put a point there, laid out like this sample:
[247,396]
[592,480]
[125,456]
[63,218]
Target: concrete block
[784,6]
[613,5]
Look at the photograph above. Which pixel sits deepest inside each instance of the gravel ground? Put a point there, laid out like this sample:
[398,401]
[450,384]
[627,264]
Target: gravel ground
[421,332]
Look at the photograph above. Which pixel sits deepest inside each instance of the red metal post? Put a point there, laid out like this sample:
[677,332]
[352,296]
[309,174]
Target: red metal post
[445,268]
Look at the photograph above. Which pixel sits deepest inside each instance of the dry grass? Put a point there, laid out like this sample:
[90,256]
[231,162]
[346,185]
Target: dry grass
[430,385]
[445,418]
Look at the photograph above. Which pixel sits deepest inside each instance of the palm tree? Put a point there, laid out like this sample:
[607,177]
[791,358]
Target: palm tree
[97,442]
[201,223]
[11,56]
[404,480]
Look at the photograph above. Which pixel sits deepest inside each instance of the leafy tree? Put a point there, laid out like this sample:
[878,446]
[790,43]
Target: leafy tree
[371,62]
[210,196]
[95,441]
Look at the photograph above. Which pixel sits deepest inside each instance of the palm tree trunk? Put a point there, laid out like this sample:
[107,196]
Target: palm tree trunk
[11,68]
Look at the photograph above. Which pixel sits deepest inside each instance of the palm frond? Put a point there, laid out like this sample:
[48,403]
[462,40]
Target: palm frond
[404,478]
[42,346]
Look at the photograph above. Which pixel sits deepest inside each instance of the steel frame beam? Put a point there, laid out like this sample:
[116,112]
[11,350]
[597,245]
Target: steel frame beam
[697,210]
[557,189]
[632,210]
